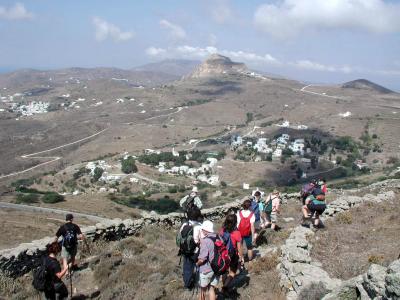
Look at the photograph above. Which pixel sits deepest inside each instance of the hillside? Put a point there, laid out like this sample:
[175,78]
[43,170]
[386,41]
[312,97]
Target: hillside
[363,84]
[176,67]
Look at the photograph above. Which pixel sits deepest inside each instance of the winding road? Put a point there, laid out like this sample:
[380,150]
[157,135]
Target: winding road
[50,210]
[303,89]
[52,158]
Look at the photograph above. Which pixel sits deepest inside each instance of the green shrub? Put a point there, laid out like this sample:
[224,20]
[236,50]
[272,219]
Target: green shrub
[172,189]
[27,198]
[52,197]
[23,182]
[223,184]
[97,172]
[128,165]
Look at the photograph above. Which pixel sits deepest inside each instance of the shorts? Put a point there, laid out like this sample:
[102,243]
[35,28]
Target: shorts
[207,279]
[318,208]
[248,241]
[272,217]
[69,254]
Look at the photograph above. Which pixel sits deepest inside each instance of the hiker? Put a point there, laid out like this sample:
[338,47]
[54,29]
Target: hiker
[233,239]
[208,281]
[55,287]
[191,200]
[71,233]
[315,207]
[246,220]
[322,185]
[255,208]
[272,209]
[306,190]
[188,240]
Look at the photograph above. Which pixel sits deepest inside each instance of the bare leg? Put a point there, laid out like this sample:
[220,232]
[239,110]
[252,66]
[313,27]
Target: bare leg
[202,295]
[250,254]
[211,293]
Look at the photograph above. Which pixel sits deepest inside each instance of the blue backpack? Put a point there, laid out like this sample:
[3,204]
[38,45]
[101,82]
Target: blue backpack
[226,238]
[256,209]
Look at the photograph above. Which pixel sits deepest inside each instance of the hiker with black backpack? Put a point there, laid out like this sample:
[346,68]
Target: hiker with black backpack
[191,200]
[233,241]
[47,277]
[70,233]
[272,209]
[188,241]
[208,280]
[246,220]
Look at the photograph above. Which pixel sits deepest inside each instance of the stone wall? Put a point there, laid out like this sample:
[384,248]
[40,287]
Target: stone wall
[298,272]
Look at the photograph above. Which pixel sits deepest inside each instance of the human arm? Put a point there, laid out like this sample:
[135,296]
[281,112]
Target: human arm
[198,202]
[62,273]
[182,201]
[59,233]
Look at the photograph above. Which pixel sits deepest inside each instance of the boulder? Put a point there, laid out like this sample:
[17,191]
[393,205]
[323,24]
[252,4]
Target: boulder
[374,280]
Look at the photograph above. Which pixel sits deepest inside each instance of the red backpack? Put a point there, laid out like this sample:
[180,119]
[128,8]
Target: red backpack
[244,225]
[222,260]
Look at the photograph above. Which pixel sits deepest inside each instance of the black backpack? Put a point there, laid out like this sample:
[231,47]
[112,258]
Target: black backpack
[41,277]
[69,238]
[185,240]
[189,204]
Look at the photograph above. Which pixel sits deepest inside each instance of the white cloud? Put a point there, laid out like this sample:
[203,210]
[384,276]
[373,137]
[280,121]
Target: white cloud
[315,66]
[221,11]
[176,32]
[105,30]
[289,17]
[190,52]
[153,51]
[16,12]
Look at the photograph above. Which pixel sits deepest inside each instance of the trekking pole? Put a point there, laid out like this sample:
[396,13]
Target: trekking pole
[70,280]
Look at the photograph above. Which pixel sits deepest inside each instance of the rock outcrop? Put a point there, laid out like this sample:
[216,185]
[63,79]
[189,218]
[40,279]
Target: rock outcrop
[217,65]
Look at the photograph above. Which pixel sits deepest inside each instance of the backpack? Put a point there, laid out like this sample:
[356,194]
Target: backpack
[244,225]
[268,206]
[185,240]
[306,190]
[226,238]
[222,260]
[40,277]
[189,203]
[256,209]
[69,238]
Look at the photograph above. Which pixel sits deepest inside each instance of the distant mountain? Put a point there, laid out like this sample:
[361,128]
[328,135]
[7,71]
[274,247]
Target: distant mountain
[216,65]
[363,84]
[176,67]
[33,77]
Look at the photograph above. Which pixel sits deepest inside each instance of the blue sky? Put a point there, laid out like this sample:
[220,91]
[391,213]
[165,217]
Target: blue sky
[310,40]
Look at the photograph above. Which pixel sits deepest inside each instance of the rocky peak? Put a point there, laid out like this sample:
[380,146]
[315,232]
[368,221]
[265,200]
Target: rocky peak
[217,64]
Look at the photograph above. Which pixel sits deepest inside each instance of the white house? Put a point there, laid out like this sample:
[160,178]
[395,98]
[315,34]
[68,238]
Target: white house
[277,152]
[285,136]
[281,140]
[302,127]
[212,161]
[284,124]
[175,153]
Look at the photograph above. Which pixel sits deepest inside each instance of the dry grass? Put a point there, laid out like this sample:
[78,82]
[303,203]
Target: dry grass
[346,249]
[264,264]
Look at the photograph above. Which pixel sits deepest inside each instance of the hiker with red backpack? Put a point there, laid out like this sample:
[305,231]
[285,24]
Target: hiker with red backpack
[208,280]
[246,220]
[315,206]
[233,241]
[188,241]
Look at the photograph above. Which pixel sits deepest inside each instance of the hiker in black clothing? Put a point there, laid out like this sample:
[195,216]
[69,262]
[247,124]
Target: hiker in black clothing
[71,233]
[191,200]
[189,240]
[55,288]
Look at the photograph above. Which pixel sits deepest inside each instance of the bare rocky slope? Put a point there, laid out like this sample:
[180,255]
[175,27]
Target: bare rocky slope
[363,84]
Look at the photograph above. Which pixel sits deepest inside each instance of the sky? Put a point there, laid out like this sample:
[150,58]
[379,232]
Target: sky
[318,41]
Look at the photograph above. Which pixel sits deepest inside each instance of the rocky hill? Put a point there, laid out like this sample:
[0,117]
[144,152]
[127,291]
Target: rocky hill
[217,65]
[363,84]
[176,67]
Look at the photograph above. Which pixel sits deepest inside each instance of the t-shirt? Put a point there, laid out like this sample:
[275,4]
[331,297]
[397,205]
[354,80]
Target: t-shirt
[236,237]
[70,226]
[206,253]
[196,230]
[53,267]
[245,214]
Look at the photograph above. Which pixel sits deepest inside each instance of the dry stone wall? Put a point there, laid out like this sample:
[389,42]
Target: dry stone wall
[299,272]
